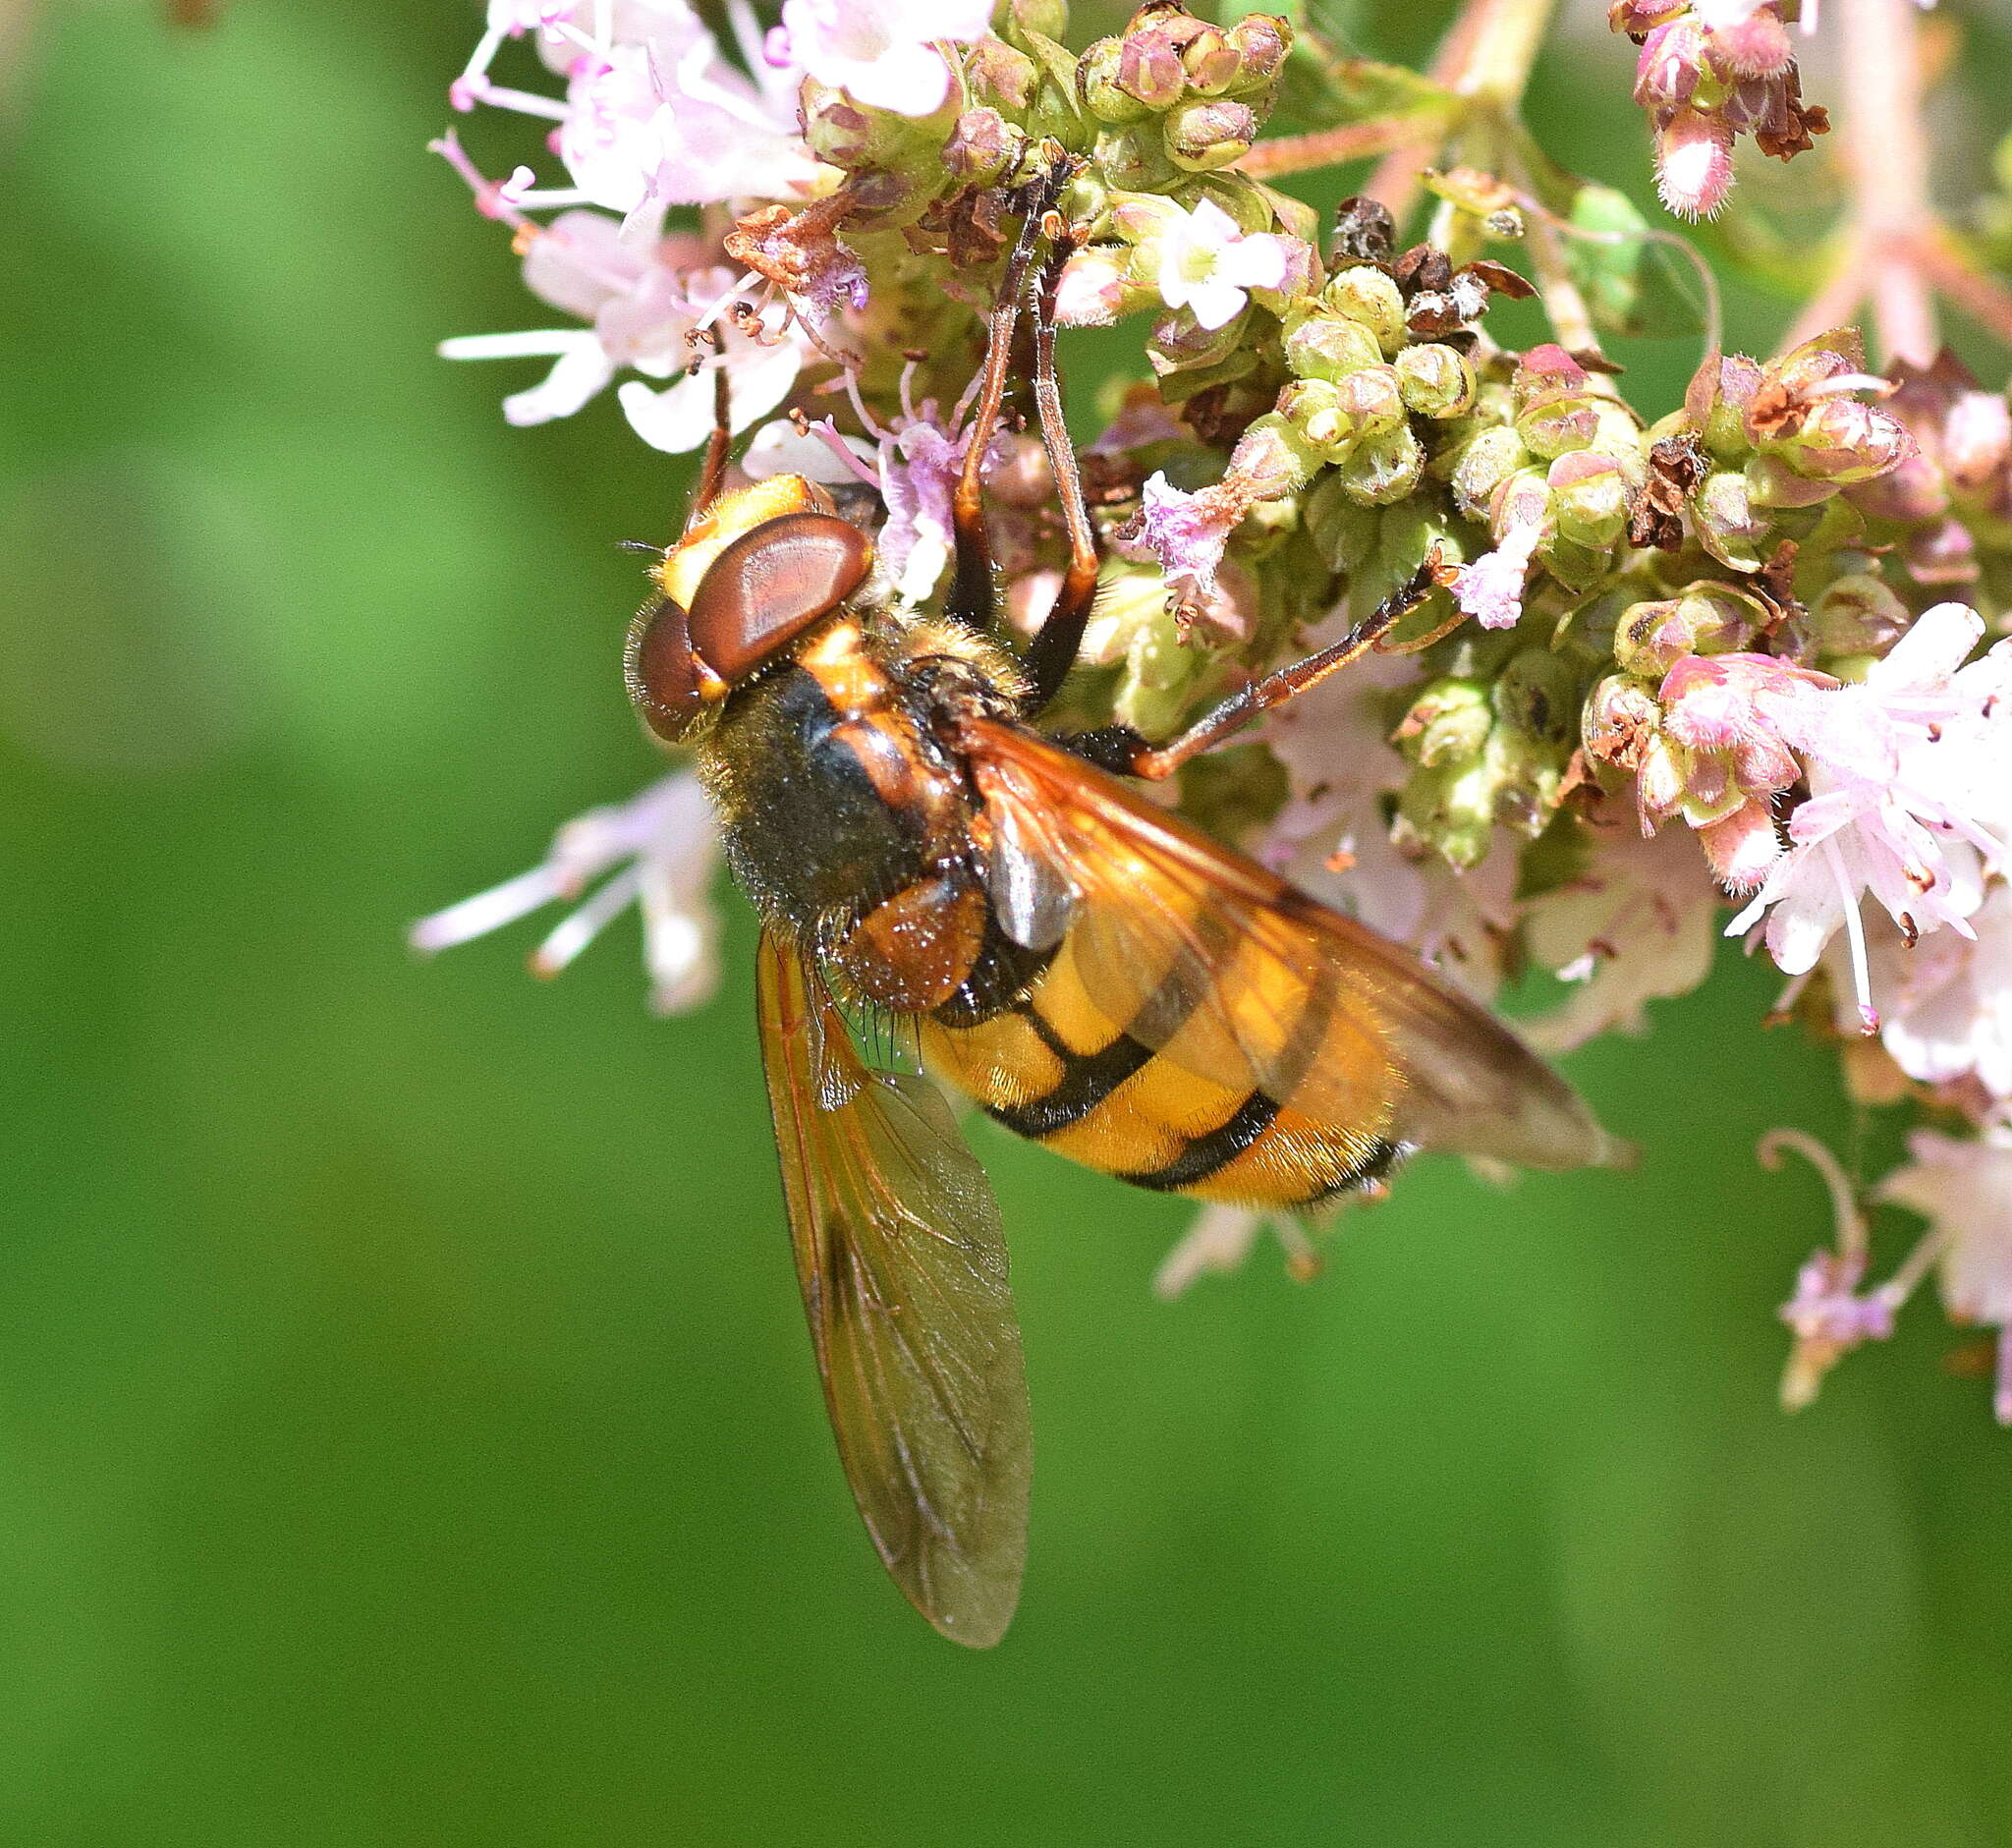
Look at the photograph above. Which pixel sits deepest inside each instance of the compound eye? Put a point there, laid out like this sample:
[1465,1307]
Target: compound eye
[657,664]
[770,585]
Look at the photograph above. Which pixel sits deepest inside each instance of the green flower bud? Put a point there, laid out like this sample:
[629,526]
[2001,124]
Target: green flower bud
[1706,619]
[983,147]
[1097,84]
[1002,74]
[1313,406]
[1158,679]
[1212,62]
[1537,695]
[1382,470]
[1368,296]
[1134,159]
[1555,425]
[1449,722]
[1487,459]
[1436,380]
[1272,458]
[1621,719]
[1322,344]
[1526,776]
[1450,808]
[1725,521]
[1149,69]
[1202,136]
[1261,42]
[1857,616]
[1375,398]
[1589,498]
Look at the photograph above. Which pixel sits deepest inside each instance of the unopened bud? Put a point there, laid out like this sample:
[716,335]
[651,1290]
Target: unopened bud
[1210,61]
[1202,136]
[1537,695]
[1261,42]
[1856,616]
[1003,74]
[1620,721]
[1382,470]
[982,146]
[1149,69]
[1448,722]
[1322,344]
[1589,498]
[1758,46]
[1436,381]
[1706,619]
[1488,458]
[1844,440]
[1096,288]
[1558,424]
[1097,84]
[1272,458]
[1672,61]
[1368,296]
[1694,163]
[1725,521]
[1313,408]
[1375,398]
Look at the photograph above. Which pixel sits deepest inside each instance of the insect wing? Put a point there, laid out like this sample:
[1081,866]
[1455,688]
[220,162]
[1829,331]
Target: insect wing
[903,1266]
[1243,982]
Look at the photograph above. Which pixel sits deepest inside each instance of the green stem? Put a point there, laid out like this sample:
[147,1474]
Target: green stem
[1499,48]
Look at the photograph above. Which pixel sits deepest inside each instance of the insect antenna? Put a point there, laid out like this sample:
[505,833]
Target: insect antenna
[712,472]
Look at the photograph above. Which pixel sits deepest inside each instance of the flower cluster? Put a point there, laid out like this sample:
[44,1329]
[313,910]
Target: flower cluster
[1650,671]
[1710,71]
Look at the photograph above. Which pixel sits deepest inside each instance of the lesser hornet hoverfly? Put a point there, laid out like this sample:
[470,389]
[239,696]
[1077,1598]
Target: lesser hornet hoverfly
[1091,971]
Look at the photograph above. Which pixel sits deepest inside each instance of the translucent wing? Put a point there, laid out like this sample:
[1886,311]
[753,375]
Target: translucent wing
[1257,991]
[903,1267]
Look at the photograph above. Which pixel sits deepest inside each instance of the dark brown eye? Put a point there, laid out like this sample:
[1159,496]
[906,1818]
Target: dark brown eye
[770,585]
[657,664]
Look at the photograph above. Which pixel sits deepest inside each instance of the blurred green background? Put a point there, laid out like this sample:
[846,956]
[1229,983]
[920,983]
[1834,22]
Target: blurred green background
[407,1433]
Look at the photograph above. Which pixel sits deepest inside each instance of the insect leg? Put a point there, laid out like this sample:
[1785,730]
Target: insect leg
[1052,653]
[1118,748]
[973,596]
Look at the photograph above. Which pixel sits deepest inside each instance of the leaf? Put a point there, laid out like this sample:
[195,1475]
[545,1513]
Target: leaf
[1634,283]
[1322,88]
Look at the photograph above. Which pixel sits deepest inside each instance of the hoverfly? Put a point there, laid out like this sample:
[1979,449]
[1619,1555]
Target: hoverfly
[1091,971]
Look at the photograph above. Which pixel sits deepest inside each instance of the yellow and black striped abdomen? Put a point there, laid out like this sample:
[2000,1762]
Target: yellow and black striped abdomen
[1225,1074]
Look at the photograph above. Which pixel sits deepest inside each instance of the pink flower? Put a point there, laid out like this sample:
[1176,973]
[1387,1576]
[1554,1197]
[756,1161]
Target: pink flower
[1220,1239]
[1905,771]
[1491,590]
[1186,533]
[1964,1190]
[883,52]
[645,298]
[1634,927]
[660,849]
[655,115]
[1945,1002]
[1207,265]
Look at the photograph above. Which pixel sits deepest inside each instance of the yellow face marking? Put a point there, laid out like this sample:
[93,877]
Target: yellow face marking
[732,515]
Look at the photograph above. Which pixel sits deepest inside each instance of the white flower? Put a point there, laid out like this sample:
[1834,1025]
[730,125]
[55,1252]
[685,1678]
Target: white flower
[884,52]
[660,849]
[1964,1190]
[1207,265]
[654,114]
[1906,770]
[1635,926]
[1945,1002]
[647,299]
